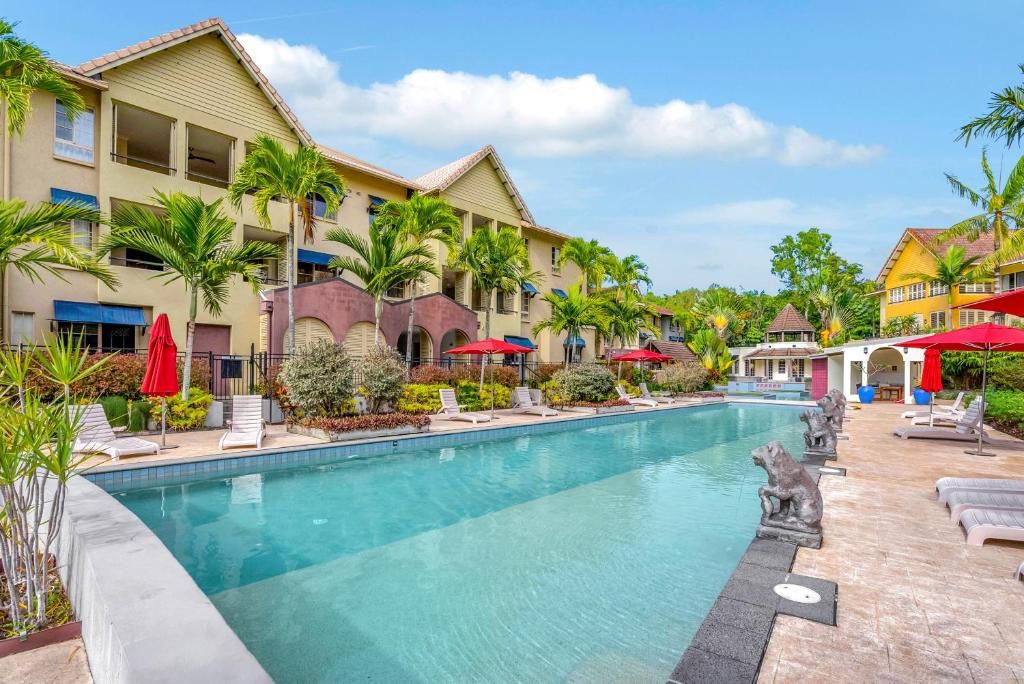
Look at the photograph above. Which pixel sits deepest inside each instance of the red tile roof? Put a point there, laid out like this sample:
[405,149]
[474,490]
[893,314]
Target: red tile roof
[677,350]
[981,247]
[790,320]
[784,353]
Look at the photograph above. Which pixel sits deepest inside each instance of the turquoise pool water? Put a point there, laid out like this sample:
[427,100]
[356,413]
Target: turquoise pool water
[581,554]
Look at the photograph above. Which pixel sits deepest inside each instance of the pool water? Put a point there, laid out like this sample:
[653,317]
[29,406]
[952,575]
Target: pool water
[575,555]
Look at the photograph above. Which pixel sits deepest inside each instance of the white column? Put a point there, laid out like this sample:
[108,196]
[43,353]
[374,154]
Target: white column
[847,374]
[907,398]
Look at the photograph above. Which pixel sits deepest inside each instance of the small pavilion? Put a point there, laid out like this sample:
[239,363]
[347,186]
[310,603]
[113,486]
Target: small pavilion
[788,344]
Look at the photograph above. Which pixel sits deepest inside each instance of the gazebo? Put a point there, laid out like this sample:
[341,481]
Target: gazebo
[788,343]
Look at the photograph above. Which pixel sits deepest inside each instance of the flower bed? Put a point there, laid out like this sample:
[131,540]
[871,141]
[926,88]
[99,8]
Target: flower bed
[360,427]
[598,407]
[60,619]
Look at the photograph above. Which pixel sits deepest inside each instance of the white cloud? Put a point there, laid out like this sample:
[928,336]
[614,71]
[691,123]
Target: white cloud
[534,116]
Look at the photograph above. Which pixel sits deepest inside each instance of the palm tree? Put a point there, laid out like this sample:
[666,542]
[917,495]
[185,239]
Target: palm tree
[270,172]
[570,315]
[627,273]
[1005,117]
[195,242]
[625,317]
[716,310]
[711,352]
[1002,214]
[388,258]
[839,309]
[951,270]
[591,258]
[494,261]
[24,69]
[420,219]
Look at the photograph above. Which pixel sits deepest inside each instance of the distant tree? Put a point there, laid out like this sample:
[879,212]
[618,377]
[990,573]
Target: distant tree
[627,273]
[798,259]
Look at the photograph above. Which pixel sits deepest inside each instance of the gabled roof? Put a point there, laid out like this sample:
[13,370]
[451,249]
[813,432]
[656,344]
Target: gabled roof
[441,178]
[210,26]
[790,320]
[926,237]
[366,167]
[677,350]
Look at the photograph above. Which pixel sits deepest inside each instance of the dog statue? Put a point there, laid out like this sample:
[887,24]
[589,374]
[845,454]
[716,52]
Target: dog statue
[820,435]
[830,409]
[797,518]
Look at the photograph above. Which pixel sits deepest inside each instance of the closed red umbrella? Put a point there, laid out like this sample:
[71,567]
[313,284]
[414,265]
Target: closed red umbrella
[931,374]
[488,347]
[161,378]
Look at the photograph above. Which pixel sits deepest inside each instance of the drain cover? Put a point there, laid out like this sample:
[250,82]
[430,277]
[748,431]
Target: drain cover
[798,593]
[829,470]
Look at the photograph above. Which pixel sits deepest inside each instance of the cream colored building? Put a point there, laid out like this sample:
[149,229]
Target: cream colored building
[176,113]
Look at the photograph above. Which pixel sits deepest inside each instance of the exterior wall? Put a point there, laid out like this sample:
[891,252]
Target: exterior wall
[481,191]
[819,378]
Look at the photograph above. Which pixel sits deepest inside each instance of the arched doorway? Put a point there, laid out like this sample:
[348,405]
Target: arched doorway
[359,339]
[887,372]
[422,347]
[451,339]
[309,330]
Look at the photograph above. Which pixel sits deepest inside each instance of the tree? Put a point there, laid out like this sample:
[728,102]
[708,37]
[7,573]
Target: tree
[952,270]
[627,273]
[839,309]
[1001,215]
[421,218]
[570,315]
[195,242]
[272,173]
[494,261]
[717,309]
[625,318]
[797,259]
[1004,120]
[388,258]
[591,258]
[711,352]
[25,69]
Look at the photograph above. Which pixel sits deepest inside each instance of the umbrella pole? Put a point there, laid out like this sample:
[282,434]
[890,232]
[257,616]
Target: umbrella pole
[163,422]
[492,384]
[980,451]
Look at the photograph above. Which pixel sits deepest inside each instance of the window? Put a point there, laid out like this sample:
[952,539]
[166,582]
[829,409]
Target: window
[396,291]
[22,327]
[144,140]
[320,209]
[373,208]
[210,157]
[73,139]
[555,253]
[896,295]
[800,368]
[782,366]
[748,368]
[937,319]
[915,291]
[936,289]
[972,317]
[976,288]
[1013,281]
[87,333]
[478,300]
[524,304]
[769,369]
[505,303]
[81,234]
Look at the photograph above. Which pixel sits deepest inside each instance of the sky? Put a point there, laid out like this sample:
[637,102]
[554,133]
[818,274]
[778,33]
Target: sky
[693,134]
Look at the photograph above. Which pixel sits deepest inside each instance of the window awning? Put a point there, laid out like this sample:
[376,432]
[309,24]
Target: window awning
[521,341]
[311,257]
[560,293]
[83,312]
[576,342]
[57,196]
[374,203]
[529,289]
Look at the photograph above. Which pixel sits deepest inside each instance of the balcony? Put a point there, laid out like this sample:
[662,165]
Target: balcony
[210,157]
[143,140]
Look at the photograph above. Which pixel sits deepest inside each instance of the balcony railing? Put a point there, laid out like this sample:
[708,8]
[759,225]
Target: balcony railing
[207,179]
[139,162]
[132,262]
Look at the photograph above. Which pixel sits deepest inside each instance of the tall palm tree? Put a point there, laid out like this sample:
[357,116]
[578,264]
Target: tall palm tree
[591,258]
[839,309]
[952,270]
[625,318]
[194,240]
[388,258]
[494,261]
[270,172]
[1005,117]
[718,312]
[1002,214]
[24,69]
[420,219]
[570,315]
[627,273]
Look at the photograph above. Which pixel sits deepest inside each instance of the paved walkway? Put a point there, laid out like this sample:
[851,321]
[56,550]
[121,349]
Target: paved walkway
[63,663]
[916,603]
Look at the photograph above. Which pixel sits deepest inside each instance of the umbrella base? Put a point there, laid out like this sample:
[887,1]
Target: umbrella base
[977,452]
[165,447]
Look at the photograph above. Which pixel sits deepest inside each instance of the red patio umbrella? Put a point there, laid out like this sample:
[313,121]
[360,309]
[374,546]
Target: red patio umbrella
[161,378]
[987,338]
[488,347]
[931,377]
[640,355]
[1008,302]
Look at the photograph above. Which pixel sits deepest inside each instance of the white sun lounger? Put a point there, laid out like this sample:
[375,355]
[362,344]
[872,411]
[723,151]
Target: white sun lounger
[1020,572]
[635,401]
[964,430]
[961,500]
[95,436]
[646,394]
[452,410]
[945,486]
[524,404]
[246,427]
[953,409]
[981,524]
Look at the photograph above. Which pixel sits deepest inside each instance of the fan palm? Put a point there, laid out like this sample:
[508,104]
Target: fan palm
[711,352]
[195,242]
[625,318]
[570,315]
[717,311]
[388,258]
[951,270]
[1005,117]
[24,69]
[494,261]
[1002,214]
[627,273]
[591,258]
[421,218]
[271,173]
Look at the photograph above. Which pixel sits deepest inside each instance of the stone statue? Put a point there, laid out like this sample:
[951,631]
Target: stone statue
[820,436]
[840,399]
[797,518]
[830,409]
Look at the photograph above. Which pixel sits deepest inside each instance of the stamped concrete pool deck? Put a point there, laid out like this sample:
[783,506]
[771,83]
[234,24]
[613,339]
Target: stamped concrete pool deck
[916,603]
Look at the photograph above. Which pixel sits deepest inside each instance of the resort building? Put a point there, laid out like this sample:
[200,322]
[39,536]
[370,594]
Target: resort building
[930,302]
[176,113]
[784,355]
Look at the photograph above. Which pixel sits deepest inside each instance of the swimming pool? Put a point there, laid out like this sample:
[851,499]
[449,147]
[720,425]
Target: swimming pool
[581,553]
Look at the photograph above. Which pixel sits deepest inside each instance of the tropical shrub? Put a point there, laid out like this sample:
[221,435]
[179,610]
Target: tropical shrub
[430,375]
[318,380]
[630,388]
[473,398]
[420,398]
[585,382]
[1007,371]
[116,409]
[369,421]
[1005,410]
[961,370]
[190,414]
[383,372]
[543,373]
[685,377]
[465,372]
[117,375]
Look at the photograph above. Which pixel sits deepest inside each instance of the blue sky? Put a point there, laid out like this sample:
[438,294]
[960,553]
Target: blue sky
[840,115]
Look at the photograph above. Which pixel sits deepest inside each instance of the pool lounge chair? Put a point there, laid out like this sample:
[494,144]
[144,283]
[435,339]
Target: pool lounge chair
[945,486]
[635,401]
[524,404]
[981,524]
[961,500]
[246,427]
[1020,572]
[95,436]
[646,394]
[452,410]
[964,430]
[952,409]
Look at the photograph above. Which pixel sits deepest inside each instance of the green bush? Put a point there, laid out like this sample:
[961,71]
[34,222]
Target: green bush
[543,373]
[472,398]
[419,398]
[685,377]
[383,373]
[191,414]
[465,372]
[585,382]
[139,412]
[116,409]
[319,380]
[1006,371]
[1006,409]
